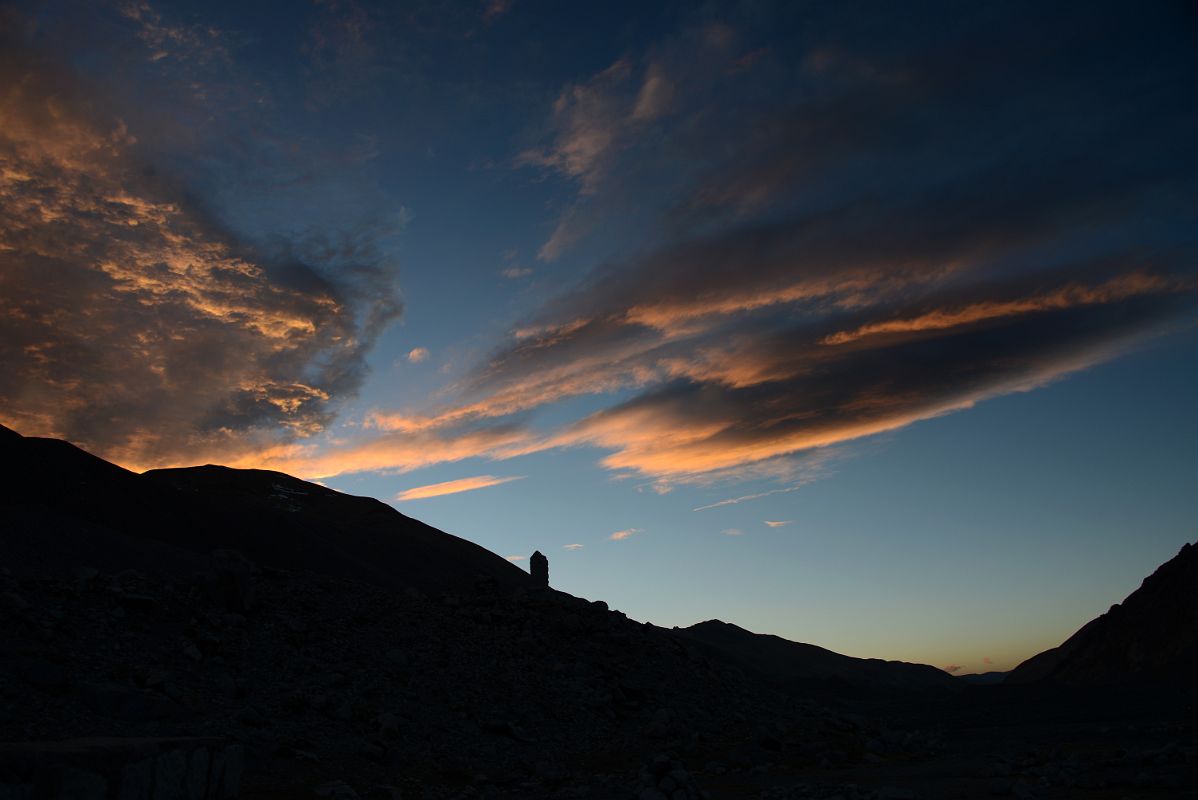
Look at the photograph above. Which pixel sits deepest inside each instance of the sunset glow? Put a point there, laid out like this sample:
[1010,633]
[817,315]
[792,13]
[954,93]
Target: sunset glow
[834,324]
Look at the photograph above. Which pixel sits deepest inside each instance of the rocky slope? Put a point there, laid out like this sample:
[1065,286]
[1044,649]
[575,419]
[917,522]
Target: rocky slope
[57,499]
[350,652]
[807,668]
[1151,637]
[337,640]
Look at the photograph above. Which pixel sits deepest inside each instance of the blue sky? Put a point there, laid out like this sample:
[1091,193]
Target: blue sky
[913,283]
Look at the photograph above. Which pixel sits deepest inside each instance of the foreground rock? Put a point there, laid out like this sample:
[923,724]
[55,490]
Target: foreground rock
[128,769]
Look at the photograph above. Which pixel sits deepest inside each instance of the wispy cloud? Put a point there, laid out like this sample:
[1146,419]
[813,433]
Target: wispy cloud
[624,534]
[744,498]
[418,355]
[732,532]
[514,559]
[515,273]
[778,523]
[590,120]
[168,40]
[952,669]
[572,546]
[454,487]
[495,9]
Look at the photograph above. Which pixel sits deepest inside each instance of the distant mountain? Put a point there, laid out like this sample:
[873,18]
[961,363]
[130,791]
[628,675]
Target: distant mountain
[1152,637]
[794,665]
[58,502]
[981,678]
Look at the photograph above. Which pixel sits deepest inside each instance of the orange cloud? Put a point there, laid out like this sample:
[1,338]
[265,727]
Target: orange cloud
[135,326]
[778,523]
[624,534]
[745,406]
[667,438]
[851,289]
[393,452]
[454,487]
[1073,295]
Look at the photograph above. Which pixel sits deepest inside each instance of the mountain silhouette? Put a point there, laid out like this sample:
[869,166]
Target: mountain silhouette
[69,502]
[807,667]
[348,651]
[1151,637]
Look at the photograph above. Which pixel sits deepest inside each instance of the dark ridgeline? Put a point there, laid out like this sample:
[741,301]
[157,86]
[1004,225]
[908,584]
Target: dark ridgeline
[810,669]
[213,622]
[163,520]
[1151,637]
[538,567]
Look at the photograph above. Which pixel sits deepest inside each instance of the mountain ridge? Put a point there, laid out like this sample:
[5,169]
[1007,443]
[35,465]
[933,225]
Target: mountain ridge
[798,665]
[271,517]
[1151,637]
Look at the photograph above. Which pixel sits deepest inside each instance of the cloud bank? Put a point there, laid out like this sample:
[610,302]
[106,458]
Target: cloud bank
[902,230]
[132,324]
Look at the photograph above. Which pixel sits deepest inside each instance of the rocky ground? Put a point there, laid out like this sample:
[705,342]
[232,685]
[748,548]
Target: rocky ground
[342,689]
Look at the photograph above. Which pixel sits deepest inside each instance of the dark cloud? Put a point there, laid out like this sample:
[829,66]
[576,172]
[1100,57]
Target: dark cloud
[135,325]
[874,229]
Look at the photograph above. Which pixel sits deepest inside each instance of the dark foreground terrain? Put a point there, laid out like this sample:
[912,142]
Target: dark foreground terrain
[402,662]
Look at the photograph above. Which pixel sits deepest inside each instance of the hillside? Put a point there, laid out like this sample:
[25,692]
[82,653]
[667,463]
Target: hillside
[353,653]
[806,667]
[1151,637]
[57,499]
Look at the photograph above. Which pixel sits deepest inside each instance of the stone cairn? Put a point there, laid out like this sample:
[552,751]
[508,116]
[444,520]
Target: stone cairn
[538,565]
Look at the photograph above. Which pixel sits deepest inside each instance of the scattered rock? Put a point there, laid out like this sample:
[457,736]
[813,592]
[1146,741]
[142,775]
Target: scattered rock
[335,790]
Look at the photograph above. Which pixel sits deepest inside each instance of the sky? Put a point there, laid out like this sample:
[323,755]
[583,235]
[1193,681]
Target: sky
[868,325]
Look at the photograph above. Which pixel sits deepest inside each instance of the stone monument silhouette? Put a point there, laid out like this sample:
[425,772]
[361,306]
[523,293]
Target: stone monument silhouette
[538,565]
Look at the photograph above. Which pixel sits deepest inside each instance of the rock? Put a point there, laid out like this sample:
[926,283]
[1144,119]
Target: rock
[226,685]
[387,724]
[197,774]
[669,779]
[252,718]
[372,751]
[1022,789]
[538,567]
[14,602]
[121,769]
[335,790]
[231,583]
[85,575]
[895,793]
[1000,787]
[115,701]
[662,723]
[45,676]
